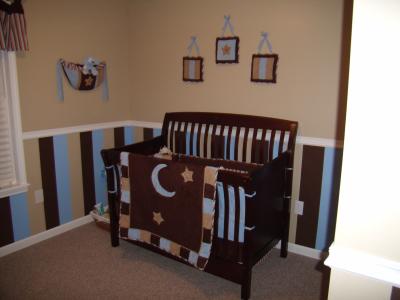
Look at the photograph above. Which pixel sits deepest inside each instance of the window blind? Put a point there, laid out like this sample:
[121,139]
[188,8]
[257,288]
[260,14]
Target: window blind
[7,163]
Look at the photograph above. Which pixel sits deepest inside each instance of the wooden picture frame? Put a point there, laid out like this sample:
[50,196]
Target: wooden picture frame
[263,67]
[227,50]
[192,69]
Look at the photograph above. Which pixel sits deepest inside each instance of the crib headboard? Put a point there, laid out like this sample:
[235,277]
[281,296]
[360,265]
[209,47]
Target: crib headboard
[236,137]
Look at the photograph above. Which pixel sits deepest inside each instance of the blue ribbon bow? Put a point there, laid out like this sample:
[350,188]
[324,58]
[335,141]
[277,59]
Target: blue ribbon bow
[264,40]
[226,24]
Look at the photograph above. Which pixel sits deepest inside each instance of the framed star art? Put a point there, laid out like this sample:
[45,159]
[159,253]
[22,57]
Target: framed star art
[227,50]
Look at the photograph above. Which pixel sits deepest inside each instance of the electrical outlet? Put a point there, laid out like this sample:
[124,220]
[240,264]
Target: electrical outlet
[299,207]
[39,196]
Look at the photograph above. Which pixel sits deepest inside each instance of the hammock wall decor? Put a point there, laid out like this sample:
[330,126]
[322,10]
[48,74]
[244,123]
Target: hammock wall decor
[82,77]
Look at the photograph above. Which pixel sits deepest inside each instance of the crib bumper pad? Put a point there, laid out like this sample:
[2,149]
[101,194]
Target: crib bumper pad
[168,204]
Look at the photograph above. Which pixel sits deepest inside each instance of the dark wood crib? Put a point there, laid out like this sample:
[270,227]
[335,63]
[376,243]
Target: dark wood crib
[256,154]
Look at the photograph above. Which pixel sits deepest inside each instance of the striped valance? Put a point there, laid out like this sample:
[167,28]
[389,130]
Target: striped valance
[13,36]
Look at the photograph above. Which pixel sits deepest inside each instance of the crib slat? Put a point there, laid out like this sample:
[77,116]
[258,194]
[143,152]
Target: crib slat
[176,136]
[253,146]
[246,134]
[271,145]
[228,143]
[226,221]
[281,139]
[222,141]
[213,142]
[191,151]
[237,137]
[206,140]
[198,138]
[263,159]
[185,127]
[171,136]
[237,213]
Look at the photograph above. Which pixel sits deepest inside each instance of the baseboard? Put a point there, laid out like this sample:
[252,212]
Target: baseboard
[34,239]
[363,263]
[304,251]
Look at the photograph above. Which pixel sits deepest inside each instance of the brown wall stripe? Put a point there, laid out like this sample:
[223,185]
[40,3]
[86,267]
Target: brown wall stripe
[147,134]
[48,172]
[119,137]
[6,228]
[310,192]
[87,171]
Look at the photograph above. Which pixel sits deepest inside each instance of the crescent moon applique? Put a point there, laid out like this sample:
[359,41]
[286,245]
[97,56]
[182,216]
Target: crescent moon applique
[156,182]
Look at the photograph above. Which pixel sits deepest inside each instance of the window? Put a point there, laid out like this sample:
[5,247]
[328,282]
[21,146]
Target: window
[12,163]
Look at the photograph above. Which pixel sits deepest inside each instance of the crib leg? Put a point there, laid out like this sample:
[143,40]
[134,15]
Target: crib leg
[284,248]
[113,223]
[246,285]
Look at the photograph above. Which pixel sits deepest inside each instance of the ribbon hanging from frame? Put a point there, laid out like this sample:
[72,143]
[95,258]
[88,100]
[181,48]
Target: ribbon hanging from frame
[13,34]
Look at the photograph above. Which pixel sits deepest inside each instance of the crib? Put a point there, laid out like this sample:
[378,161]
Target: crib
[254,156]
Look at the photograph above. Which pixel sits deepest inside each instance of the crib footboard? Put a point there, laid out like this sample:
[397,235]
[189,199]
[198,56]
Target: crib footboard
[269,213]
[111,158]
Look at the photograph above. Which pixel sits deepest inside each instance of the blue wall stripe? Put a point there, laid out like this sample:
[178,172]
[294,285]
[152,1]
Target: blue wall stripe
[61,163]
[129,135]
[156,132]
[20,216]
[326,199]
[98,167]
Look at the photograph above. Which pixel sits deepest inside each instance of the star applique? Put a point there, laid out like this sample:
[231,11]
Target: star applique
[187,175]
[157,218]
[88,81]
[226,50]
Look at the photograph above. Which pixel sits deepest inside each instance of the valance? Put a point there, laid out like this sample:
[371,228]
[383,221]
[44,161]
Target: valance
[13,35]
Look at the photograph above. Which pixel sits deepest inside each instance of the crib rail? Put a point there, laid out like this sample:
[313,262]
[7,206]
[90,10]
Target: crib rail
[228,136]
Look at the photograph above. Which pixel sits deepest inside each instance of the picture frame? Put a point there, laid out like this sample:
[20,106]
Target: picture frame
[227,50]
[192,68]
[263,67]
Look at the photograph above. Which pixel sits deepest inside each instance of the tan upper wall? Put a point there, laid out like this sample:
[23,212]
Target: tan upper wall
[73,30]
[306,34]
[143,43]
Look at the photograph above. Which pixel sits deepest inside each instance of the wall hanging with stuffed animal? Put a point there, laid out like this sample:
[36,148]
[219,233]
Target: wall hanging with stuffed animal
[82,77]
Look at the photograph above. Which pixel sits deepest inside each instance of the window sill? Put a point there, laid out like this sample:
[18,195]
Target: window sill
[16,189]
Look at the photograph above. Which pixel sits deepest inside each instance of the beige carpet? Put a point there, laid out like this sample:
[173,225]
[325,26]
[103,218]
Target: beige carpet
[81,264]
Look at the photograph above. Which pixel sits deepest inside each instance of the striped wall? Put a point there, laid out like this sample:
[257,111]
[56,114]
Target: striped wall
[319,190]
[67,172]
